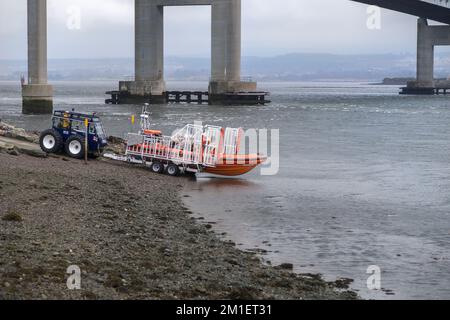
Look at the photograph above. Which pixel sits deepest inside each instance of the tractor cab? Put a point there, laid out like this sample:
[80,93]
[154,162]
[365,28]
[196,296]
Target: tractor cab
[69,133]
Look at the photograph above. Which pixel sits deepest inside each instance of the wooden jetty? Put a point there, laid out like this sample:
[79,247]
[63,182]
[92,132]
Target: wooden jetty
[194,97]
[199,97]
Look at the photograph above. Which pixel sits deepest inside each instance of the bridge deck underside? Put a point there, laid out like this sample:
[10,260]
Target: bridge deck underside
[414,7]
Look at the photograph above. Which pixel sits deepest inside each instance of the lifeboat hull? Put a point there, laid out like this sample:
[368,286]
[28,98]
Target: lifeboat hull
[230,170]
[236,165]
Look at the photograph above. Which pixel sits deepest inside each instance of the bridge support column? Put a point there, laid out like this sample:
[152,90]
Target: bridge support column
[226,50]
[37,95]
[425,55]
[427,38]
[149,85]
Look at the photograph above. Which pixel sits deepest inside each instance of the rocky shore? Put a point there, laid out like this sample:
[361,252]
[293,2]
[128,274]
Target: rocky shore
[9,131]
[129,233]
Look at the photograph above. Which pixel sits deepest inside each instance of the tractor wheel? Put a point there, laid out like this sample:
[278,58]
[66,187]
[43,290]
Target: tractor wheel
[157,167]
[51,141]
[75,147]
[173,170]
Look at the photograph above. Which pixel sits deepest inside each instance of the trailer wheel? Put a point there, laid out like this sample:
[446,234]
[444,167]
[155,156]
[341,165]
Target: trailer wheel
[173,170]
[75,147]
[157,167]
[51,141]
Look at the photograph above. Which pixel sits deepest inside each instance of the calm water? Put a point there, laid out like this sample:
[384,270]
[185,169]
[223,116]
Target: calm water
[364,178]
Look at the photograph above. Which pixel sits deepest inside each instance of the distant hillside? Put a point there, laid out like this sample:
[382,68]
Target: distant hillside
[290,67]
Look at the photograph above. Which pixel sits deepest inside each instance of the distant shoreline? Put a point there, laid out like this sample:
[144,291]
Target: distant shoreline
[394,82]
[284,67]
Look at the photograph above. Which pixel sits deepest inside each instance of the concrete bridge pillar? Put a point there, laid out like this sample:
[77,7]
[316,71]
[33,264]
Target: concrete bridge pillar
[425,55]
[37,95]
[427,38]
[226,40]
[226,49]
[149,55]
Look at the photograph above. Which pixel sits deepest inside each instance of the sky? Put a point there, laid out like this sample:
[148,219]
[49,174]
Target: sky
[105,29]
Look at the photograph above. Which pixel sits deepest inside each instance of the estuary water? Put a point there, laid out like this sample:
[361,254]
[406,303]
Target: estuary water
[364,178]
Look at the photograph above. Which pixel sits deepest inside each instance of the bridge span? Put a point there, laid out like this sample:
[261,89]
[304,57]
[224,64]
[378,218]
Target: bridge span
[423,9]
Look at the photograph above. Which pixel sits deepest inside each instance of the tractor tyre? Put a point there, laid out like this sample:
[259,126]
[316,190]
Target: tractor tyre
[75,147]
[51,141]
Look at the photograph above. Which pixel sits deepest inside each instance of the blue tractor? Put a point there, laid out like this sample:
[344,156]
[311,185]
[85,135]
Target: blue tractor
[68,133]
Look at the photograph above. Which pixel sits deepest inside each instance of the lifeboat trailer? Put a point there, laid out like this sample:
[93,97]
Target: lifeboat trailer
[193,149]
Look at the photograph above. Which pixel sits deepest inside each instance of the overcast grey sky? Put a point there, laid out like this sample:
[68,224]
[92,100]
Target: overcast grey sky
[270,27]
